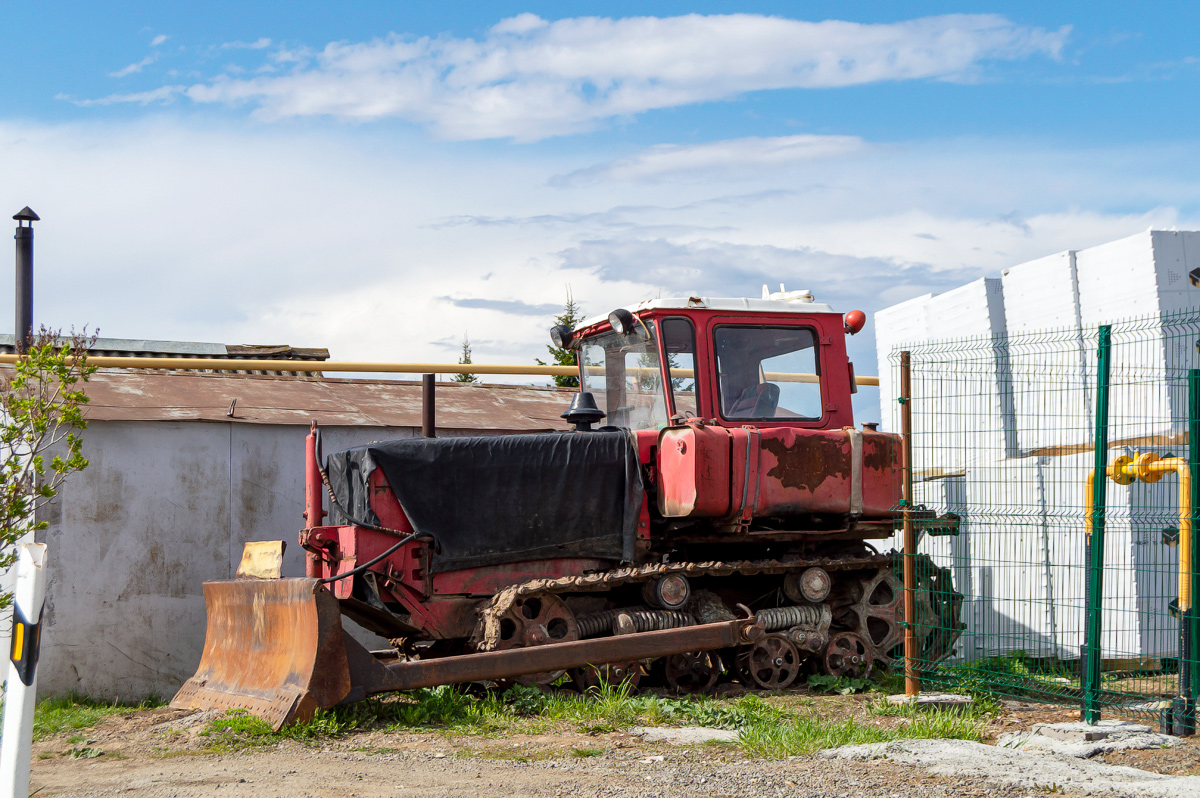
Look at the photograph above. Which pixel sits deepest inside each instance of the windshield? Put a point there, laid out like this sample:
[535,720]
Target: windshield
[623,373]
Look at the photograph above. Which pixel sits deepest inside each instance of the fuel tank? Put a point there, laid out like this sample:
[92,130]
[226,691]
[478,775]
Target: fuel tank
[707,471]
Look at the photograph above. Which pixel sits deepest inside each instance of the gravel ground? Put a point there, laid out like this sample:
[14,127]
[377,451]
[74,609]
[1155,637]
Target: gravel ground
[294,770]
[162,752]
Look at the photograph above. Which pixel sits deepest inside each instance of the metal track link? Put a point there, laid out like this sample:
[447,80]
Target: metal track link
[487,630]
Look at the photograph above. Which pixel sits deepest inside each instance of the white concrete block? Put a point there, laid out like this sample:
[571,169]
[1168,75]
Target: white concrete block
[962,397]
[895,327]
[1048,358]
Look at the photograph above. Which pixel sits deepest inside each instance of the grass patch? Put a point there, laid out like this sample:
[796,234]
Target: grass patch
[237,729]
[73,712]
[586,752]
[803,735]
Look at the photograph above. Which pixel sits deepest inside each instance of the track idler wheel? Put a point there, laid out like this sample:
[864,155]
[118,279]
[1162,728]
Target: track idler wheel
[879,611]
[536,620]
[848,655]
[692,673]
[615,674]
[772,663]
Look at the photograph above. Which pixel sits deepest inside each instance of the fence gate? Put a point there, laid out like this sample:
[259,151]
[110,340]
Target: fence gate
[1056,477]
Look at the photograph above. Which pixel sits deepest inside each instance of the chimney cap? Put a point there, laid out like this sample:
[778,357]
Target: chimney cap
[26,214]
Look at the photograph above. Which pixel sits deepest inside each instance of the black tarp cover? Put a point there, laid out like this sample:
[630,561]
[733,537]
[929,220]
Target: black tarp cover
[504,498]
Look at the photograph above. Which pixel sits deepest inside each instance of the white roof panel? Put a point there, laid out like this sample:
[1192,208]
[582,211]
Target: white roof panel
[721,303]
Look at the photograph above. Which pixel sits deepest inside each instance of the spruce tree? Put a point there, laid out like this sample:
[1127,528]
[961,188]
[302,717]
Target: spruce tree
[465,359]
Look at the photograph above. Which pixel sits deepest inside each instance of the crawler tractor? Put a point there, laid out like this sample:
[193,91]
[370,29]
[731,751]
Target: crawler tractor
[708,518]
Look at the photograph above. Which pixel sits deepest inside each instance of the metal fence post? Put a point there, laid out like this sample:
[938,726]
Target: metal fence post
[1095,545]
[428,417]
[912,684]
[1189,662]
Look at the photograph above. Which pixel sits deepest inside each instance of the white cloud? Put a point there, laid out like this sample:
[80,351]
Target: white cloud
[155,230]
[159,39]
[529,78]
[750,153]
[163,94]
[136,67]
[258,44]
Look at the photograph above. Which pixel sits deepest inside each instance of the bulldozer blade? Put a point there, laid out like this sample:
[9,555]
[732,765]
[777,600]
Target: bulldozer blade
[274,648]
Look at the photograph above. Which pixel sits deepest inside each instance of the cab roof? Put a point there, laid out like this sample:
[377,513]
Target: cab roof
[783,302]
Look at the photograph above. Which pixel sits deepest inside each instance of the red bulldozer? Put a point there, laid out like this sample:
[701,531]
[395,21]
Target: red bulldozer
[709,517]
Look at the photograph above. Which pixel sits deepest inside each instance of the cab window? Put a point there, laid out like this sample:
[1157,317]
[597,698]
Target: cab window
[679,344]
[623,372]
[768,372]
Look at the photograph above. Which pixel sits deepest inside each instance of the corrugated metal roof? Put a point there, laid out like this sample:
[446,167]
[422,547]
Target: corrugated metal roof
[137,347]
[118,395]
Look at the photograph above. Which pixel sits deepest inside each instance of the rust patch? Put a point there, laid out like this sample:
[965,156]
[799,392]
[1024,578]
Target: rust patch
[809,461]
[881,452]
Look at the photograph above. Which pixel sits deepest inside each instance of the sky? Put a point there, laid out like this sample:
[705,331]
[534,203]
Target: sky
[383,179]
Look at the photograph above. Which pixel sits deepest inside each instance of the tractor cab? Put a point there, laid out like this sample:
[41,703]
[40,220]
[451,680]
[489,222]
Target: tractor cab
[776,361]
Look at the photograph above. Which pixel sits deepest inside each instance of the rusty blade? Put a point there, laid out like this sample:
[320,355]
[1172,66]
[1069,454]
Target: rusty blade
[274,648]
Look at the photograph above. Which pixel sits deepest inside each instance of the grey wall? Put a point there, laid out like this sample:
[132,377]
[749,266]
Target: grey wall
[163,507]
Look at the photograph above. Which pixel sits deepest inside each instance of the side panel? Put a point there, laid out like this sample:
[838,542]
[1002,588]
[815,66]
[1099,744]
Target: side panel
[693,471]
[804,471]
[819,471]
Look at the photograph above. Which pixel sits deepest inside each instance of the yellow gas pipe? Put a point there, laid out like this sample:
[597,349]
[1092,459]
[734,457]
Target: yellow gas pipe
[1149,467]
[334,366]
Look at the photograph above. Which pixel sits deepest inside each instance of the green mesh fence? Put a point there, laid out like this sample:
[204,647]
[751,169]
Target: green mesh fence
[1013,595]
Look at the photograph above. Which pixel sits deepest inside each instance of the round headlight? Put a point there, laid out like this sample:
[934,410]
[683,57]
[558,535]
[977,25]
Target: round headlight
[561,335]
[622,321]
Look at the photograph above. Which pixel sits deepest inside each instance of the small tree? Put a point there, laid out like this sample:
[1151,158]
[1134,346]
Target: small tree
[41,413]
[464,359]
[570,316]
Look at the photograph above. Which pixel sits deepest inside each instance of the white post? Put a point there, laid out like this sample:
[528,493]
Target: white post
[21,682]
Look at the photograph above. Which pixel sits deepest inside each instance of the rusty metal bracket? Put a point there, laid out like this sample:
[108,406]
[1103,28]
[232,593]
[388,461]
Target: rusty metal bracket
[370,674]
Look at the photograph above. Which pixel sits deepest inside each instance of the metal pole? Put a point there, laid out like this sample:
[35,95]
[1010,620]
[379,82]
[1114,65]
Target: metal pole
[20,689]
[1095,546]
[314,510]
[428,428]
[24,327]
[912,683]
[1189,621]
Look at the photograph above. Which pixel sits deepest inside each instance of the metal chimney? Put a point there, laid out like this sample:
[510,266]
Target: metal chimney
[24,329]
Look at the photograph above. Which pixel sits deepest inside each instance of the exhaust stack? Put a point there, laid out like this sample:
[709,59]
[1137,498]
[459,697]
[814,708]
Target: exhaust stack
[24,328]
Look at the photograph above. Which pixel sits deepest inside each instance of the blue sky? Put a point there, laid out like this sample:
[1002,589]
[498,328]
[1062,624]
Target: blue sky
[381,178]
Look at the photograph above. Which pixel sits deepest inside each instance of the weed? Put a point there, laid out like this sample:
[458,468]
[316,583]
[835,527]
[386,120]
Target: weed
[84,753]
[587,751]
[1050,788]
[841,685]
[237,729]
[525,700]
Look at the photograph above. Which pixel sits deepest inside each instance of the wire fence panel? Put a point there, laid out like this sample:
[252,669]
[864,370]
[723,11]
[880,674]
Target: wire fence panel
[1004,431]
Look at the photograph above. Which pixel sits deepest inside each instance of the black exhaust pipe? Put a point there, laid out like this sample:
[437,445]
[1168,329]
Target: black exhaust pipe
[24,328]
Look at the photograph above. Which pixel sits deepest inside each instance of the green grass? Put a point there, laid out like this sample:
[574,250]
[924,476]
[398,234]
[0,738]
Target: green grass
[795,736]
[73,712]
[766,729]
[587,751]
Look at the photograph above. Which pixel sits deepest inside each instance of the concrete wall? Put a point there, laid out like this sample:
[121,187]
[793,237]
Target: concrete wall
[163,507]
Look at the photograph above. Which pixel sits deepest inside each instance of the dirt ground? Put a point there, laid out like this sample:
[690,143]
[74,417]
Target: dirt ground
[160,752]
